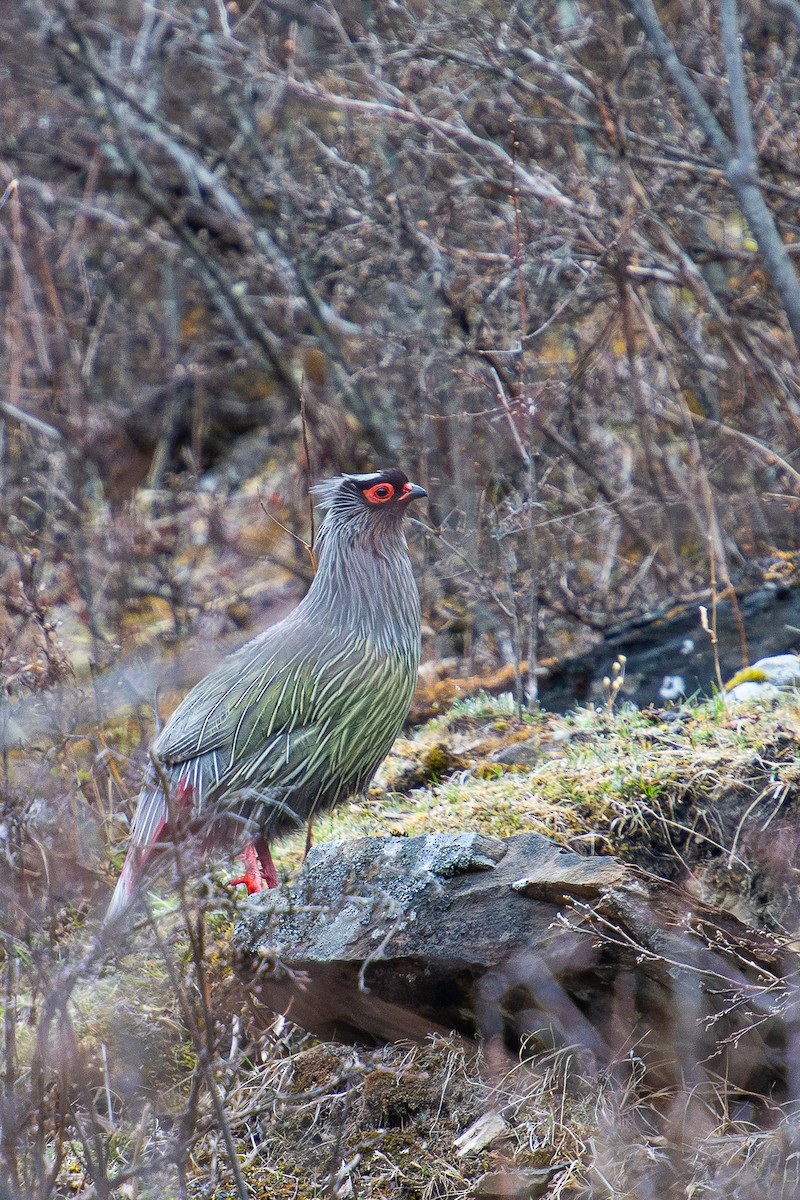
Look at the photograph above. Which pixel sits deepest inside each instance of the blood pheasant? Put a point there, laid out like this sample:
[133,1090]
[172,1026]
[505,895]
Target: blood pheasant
[301,717]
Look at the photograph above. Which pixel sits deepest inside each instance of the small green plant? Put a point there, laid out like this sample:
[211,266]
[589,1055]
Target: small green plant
[483,705]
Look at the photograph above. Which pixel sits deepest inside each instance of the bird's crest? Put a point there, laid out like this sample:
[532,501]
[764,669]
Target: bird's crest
[324,492]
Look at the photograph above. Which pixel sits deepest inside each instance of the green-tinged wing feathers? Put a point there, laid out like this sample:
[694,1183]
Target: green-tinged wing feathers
[320,724]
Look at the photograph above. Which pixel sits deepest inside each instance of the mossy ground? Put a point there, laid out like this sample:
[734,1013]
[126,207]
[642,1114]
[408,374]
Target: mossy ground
[681,792]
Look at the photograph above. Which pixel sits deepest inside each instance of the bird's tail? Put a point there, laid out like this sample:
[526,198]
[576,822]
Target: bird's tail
[148,826]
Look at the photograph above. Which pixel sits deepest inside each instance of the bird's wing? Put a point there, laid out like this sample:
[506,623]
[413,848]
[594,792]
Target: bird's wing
[272,712]
[250,680]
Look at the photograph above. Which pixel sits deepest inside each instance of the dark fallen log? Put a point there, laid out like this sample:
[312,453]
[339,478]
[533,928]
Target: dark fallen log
[526,944]
[670,657]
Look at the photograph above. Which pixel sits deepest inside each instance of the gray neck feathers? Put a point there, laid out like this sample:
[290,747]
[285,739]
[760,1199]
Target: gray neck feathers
[364,586]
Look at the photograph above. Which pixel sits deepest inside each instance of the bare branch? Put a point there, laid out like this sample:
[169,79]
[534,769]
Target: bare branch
[461,135]
[738,162]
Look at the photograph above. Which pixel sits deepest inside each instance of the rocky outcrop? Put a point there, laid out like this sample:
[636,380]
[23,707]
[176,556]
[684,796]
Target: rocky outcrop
[669,656]
[527,945]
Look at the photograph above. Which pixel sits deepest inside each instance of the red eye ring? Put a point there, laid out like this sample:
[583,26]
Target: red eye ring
[379,493]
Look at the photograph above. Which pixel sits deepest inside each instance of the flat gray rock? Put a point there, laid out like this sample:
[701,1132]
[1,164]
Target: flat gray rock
[397,890]
[520,941]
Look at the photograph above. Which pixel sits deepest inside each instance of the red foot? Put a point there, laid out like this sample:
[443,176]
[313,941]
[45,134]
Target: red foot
[259,872]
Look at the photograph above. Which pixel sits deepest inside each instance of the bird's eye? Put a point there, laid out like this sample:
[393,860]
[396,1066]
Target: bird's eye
[379,493]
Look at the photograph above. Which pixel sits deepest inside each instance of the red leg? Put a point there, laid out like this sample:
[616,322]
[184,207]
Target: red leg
[259,872]
[309,837]
[268,871]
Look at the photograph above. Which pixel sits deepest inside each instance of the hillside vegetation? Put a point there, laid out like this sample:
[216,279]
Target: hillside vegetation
[146,1068]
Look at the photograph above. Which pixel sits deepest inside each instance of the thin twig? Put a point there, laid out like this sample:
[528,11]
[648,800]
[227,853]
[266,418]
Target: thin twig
[12,187]
[308,468]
